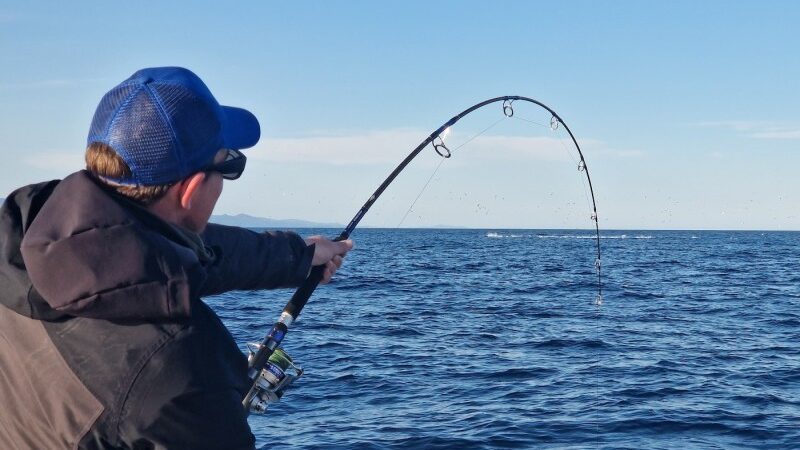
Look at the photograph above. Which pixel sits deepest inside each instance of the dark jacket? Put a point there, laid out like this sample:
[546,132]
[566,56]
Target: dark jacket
[104,341]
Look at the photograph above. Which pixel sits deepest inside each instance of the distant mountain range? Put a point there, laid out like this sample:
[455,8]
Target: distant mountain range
[244,220]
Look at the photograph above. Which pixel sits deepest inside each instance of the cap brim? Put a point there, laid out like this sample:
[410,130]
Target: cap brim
[240,128]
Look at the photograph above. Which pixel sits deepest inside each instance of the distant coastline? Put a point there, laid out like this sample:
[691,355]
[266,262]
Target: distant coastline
[247,221]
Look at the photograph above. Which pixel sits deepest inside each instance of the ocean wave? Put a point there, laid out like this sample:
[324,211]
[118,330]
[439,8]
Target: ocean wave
[695,345]
[572,343]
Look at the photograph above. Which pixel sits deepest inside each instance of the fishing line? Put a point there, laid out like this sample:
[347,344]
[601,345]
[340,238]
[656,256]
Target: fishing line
[530,121]
[599,299]
[410,208]
[560,138]
[441,161]
[269,368]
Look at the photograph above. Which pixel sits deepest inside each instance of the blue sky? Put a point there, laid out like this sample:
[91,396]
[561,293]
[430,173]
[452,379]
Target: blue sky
[687,111]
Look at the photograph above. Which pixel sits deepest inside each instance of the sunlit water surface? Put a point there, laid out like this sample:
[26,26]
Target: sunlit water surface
[488,339]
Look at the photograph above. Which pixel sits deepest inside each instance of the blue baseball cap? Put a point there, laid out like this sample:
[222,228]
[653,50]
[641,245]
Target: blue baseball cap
[165,124]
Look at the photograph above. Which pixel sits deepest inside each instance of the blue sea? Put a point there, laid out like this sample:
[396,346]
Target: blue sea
[491,339]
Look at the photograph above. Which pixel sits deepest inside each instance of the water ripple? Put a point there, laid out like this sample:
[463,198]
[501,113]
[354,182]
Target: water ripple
[489,339]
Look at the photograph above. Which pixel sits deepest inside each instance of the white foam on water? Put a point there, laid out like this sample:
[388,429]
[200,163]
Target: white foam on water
[592,236]
[496,235]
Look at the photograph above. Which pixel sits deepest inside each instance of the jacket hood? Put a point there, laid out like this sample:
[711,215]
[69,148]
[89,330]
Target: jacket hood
[85,251]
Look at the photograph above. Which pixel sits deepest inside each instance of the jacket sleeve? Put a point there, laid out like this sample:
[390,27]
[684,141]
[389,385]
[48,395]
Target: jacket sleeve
[246,260]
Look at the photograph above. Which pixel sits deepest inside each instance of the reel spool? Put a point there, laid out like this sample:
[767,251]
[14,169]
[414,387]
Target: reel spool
[273,380]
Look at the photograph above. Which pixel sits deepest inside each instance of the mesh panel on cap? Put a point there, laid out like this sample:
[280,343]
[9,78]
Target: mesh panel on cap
[194,122]
[145,142]
[108,106]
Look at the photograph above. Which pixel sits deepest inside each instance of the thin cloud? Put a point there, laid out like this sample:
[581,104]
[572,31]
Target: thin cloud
[595,149]
[736,125]
[391,146]
[48,84]
[778,134]
[374,147]
[384,148]
[57,161]
[517,148]
[757,129]
[36,84]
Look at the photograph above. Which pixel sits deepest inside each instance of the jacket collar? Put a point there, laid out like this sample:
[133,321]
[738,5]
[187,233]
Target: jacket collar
[92,253]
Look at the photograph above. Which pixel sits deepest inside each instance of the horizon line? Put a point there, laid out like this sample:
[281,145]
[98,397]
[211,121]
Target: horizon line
[753,230]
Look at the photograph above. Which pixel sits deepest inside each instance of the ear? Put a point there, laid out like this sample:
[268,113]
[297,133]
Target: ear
[190,187]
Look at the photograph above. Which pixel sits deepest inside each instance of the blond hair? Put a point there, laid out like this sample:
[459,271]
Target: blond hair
[104,162]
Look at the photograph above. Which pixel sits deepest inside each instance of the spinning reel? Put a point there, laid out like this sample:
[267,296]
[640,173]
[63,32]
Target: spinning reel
[272,381]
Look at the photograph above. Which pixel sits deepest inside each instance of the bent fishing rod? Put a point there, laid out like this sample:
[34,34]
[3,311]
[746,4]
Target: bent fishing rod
[272,370]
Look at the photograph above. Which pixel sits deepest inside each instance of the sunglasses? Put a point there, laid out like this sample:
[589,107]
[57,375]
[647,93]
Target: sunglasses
[232,167]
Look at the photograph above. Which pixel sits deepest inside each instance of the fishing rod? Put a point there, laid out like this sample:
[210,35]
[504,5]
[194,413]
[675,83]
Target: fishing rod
[270,368]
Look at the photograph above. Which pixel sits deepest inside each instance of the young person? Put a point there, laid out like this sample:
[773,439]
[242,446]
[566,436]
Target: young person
[104,339]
